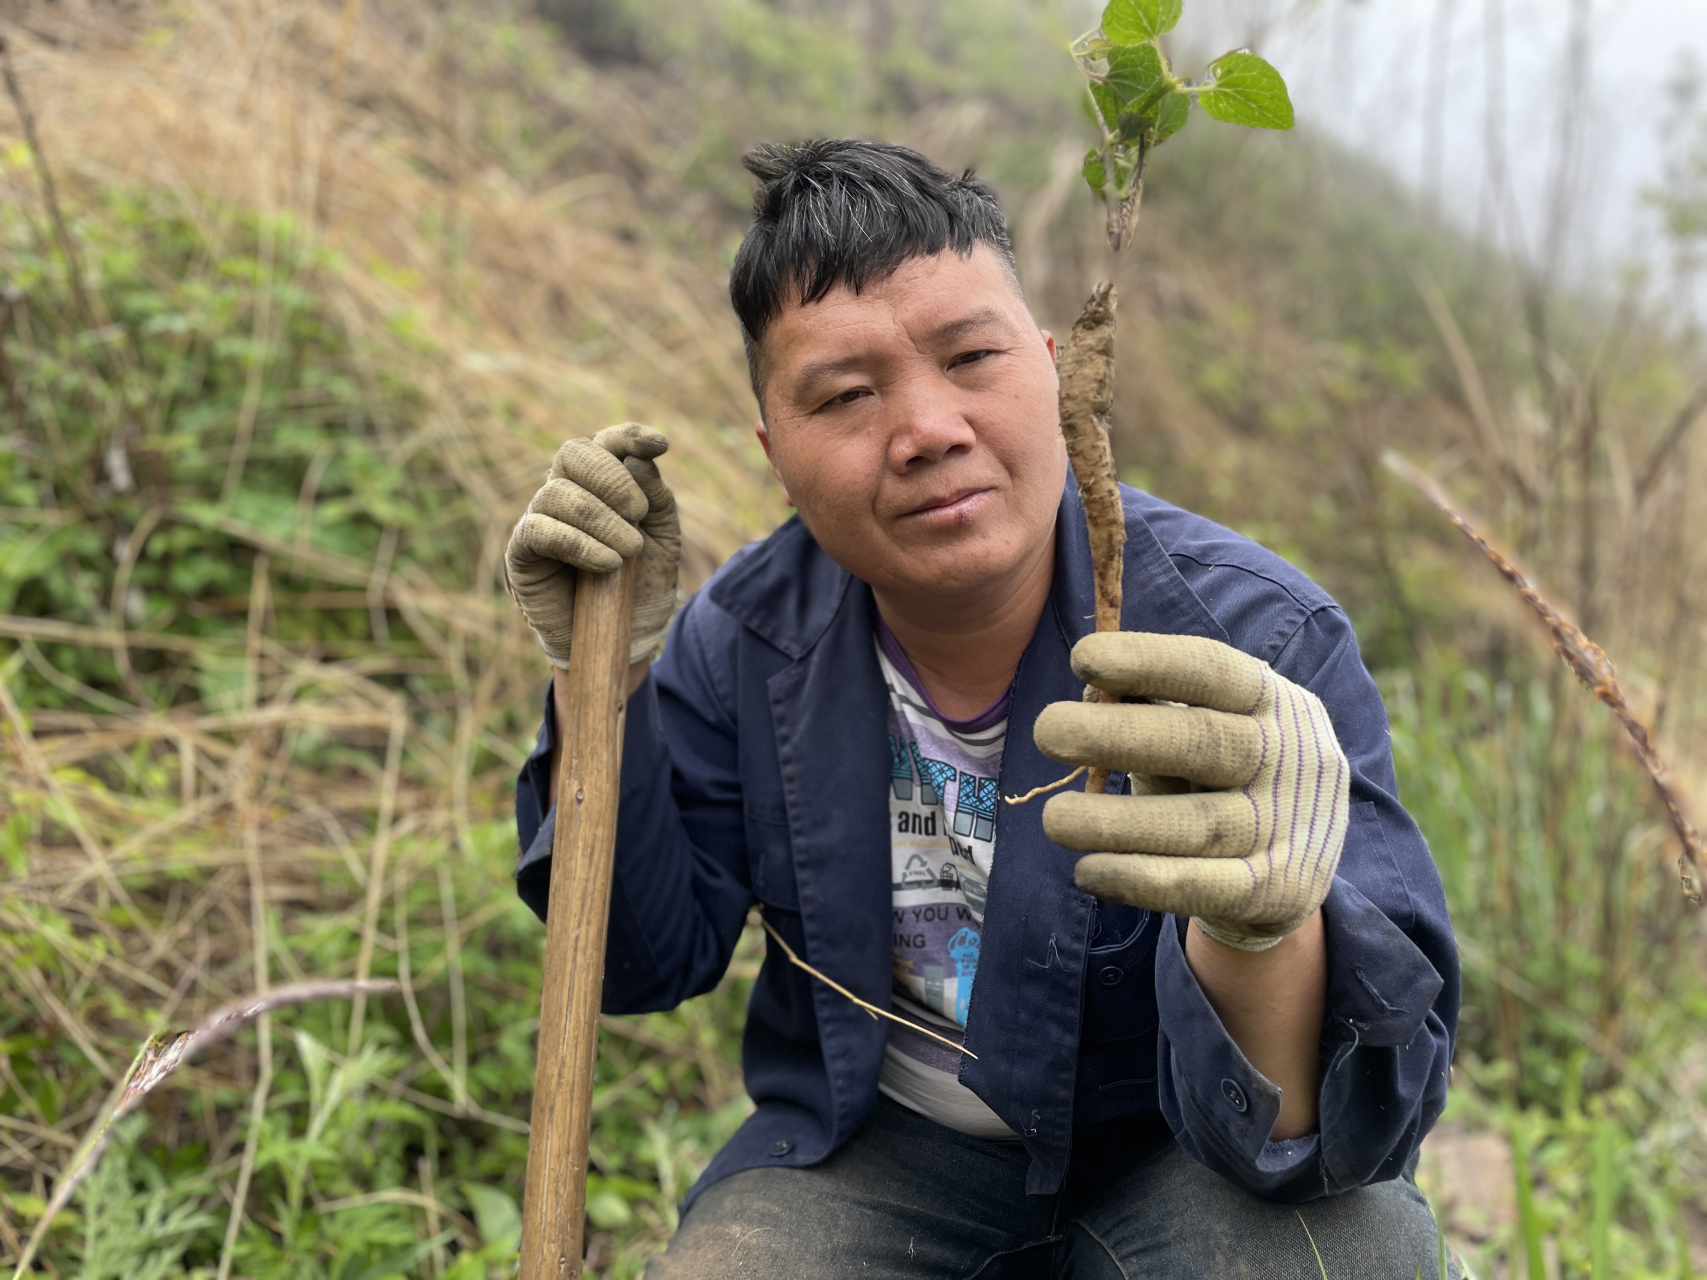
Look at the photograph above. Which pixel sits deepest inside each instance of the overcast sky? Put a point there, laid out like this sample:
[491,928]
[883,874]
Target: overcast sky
[1369,70]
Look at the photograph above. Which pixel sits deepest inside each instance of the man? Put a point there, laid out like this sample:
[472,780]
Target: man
[1135,1064]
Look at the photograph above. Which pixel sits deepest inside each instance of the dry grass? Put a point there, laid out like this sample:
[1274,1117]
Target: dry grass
[534,308]
[167,846]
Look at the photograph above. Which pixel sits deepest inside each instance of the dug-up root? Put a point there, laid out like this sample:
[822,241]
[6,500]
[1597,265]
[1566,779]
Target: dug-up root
[1087,397]
[1086,371]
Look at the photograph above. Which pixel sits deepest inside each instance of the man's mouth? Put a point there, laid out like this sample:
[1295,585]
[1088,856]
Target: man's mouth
[954,508]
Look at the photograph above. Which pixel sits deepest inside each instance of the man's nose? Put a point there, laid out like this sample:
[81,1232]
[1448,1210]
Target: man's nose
[927,423]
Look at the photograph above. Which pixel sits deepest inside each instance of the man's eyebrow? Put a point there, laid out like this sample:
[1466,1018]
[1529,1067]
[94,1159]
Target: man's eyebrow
[966,324]
[819,370]
[949,331]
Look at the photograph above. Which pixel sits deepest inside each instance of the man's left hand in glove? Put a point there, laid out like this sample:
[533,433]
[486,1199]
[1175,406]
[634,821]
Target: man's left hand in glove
[1250,850]
[1239,813]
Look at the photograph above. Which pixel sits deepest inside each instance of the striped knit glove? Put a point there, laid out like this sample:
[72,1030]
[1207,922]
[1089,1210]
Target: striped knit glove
[1251,849]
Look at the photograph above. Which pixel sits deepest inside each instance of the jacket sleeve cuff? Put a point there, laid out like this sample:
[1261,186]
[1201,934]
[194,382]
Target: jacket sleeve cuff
[536,816]
[1220,1107]
[1380,991]
[533,782]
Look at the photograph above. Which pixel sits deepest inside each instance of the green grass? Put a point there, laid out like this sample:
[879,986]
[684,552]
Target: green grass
[357,1161]
[1578,999]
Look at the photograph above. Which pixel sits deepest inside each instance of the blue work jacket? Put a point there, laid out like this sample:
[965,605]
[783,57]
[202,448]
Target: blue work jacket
[756,770]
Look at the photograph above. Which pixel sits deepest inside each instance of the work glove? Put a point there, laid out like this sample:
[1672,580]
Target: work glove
[1250,846]
[603,502]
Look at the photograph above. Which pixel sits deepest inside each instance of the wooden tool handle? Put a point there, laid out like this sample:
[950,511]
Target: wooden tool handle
[583,844]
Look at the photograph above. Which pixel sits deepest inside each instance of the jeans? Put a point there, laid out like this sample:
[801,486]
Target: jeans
[907,1197]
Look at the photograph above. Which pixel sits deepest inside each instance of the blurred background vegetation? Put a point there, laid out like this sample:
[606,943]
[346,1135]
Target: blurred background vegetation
[296,296]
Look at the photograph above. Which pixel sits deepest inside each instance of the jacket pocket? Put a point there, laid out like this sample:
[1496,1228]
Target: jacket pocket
[1120,988]
[770,860]
[1117,1041]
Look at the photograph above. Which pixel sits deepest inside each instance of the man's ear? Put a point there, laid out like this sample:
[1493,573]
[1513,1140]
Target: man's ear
[765,443]
[1049,341]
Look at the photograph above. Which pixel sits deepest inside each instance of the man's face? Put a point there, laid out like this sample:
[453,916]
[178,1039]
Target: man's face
[914,426]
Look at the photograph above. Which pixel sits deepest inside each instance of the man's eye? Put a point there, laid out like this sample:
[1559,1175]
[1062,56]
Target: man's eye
[970,357]
[847,397]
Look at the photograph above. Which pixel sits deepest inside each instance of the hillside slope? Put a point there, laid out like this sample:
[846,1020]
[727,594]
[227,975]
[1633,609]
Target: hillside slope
[328,281]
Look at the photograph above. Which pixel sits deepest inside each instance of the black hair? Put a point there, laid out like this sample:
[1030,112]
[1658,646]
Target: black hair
[842,211]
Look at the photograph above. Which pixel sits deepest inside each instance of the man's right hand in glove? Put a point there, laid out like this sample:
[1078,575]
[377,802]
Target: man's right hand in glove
[603,502]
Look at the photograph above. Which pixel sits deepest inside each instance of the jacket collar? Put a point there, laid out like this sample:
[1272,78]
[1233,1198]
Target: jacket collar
[788,592]
[784,589]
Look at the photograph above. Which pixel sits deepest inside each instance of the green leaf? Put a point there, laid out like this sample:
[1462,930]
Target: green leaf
[1107,101]
[1171,114]
[1135,72]
[495,1213]
[1135,21]
[1247,91]
[1603,1182]
[1094,171]
[1529,1225]
[1134,126]
[403,1262]
[608,1210]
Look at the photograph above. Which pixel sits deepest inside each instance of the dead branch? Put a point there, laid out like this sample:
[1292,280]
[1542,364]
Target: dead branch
[1587,661]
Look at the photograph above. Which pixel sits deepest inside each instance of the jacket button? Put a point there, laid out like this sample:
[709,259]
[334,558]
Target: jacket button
[1235,1096]
[782,1146]
[1111,976]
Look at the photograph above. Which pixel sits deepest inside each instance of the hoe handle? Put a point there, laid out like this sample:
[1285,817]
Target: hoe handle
[582,847]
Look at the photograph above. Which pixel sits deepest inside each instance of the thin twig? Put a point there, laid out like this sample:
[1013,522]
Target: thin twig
[458,987]
[1587,661]
[406,985]
[870,1008]
[76,688]
[398,1195]
[472,1111]
[157,1059]
[50,192]
[259,582]
[67,812]
[1046,788]
[260,348]
[376,868]
[347,22]
[10,1236]
[1653,466]
[121,588]
[259,932]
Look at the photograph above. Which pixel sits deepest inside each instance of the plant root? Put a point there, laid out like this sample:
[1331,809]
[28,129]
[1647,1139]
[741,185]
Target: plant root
[1046,788]
[870,1008]
[1087,397]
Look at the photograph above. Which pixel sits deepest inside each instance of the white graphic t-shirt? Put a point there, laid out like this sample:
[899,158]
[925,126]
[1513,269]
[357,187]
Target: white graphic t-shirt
[942,841]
